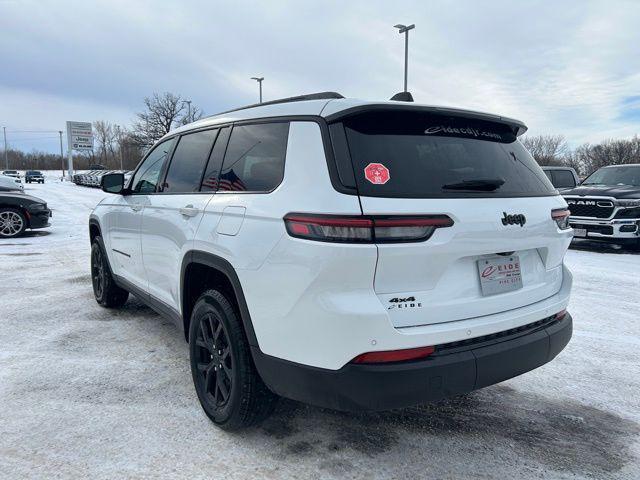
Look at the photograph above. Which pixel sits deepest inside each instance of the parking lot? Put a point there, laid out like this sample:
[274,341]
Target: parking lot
[88,392]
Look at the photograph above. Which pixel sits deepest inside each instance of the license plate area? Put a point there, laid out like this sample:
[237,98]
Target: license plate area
[499,274]
[579,232]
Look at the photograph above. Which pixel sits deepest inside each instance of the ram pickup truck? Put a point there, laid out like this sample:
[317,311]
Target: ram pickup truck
[606,206]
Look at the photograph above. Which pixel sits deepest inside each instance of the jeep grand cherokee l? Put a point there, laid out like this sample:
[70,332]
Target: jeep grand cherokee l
[352,255]
[606,206]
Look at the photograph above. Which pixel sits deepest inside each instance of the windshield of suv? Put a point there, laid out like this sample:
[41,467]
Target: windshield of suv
[414,154]
[615,176]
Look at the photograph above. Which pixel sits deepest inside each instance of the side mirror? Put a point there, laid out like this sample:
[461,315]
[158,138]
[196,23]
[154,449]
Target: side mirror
[112,182]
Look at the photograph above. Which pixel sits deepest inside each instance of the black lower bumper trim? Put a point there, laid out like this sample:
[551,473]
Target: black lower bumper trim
[446,373]
[40,219]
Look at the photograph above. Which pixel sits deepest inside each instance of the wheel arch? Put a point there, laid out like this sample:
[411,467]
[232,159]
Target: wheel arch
[94,229]
[201,270]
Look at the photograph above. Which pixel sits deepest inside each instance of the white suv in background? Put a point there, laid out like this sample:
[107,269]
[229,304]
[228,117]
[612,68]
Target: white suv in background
[352,255]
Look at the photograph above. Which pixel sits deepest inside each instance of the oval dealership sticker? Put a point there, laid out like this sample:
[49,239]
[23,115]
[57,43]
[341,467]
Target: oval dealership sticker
[377,173]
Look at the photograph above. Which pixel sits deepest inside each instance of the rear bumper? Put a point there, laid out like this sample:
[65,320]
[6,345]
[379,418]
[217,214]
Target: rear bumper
[455,368]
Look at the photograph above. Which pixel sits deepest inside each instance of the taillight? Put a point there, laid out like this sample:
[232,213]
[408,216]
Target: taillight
[561,216]
[389,356]
[364,229]
[561,314]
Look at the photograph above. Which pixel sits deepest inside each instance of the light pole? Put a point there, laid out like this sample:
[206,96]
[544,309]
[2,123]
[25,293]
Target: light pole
[6,157]
[259,80]
[188,102]
[120,140]
[61,156]
[405,29]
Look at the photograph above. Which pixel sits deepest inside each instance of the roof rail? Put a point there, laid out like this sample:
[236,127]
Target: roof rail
[298,98]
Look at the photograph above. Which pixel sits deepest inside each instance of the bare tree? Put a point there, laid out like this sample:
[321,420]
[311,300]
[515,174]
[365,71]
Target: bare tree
[162,113]
[191,116]
[130,150]
[588,158]
[105,135]
[547,149]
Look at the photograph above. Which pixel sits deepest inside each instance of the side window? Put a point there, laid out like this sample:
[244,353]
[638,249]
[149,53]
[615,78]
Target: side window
[146,178]
[563,179]
[188,162]
[210,179]
[254,161]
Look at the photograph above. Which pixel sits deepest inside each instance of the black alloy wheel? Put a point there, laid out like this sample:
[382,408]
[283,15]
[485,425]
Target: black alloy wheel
[97,272]
[213,360]
[228,385]
[105,290]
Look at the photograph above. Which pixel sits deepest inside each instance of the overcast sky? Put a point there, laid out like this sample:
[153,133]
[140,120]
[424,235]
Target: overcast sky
[565,67]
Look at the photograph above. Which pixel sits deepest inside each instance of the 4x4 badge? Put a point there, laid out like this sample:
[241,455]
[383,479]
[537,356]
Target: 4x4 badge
[516,219]
[404,302]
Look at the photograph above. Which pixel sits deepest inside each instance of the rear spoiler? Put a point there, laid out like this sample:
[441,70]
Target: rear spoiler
[516,126]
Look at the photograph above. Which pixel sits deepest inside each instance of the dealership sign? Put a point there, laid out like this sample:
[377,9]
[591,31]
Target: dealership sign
[79,136]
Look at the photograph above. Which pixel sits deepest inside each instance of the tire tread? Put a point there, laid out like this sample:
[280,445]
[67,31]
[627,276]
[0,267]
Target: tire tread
[112,296]
[256,401]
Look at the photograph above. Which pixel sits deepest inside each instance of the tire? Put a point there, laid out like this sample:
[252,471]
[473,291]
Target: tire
[221,362]
[107,293]
[12,222]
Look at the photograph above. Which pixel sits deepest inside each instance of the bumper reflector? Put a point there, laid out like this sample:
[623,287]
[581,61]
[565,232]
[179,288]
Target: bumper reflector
[389,356]
[561,314]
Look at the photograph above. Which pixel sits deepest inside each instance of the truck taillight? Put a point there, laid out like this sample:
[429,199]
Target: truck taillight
[364,229]
[561,217]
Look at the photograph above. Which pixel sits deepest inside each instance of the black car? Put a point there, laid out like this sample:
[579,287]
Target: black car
[33,176]
[19,212]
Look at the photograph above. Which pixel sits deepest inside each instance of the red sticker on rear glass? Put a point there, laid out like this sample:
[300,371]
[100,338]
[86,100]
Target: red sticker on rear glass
[377,173]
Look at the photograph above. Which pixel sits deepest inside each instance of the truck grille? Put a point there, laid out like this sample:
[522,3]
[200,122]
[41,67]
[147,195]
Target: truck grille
[599,209]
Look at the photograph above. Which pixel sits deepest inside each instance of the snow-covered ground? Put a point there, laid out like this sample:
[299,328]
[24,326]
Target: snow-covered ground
[92,393]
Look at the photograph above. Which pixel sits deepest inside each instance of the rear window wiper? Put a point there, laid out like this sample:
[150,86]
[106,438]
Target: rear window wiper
[482,185]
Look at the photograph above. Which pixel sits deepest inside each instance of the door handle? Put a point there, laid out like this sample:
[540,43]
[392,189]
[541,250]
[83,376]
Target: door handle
[189,211]
[136,208]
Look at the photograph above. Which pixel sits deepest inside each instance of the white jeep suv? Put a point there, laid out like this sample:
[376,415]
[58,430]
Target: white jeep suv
[352,255]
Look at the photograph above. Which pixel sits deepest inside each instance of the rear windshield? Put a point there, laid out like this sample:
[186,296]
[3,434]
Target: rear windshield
[615,176]
[425,155]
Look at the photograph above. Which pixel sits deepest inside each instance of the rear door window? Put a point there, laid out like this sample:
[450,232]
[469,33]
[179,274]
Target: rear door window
[210,179]
[254,160]
[189,161]
[411,154]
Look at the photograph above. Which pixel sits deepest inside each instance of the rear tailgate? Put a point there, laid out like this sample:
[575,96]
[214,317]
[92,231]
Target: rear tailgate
[439,280]
[413,163]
